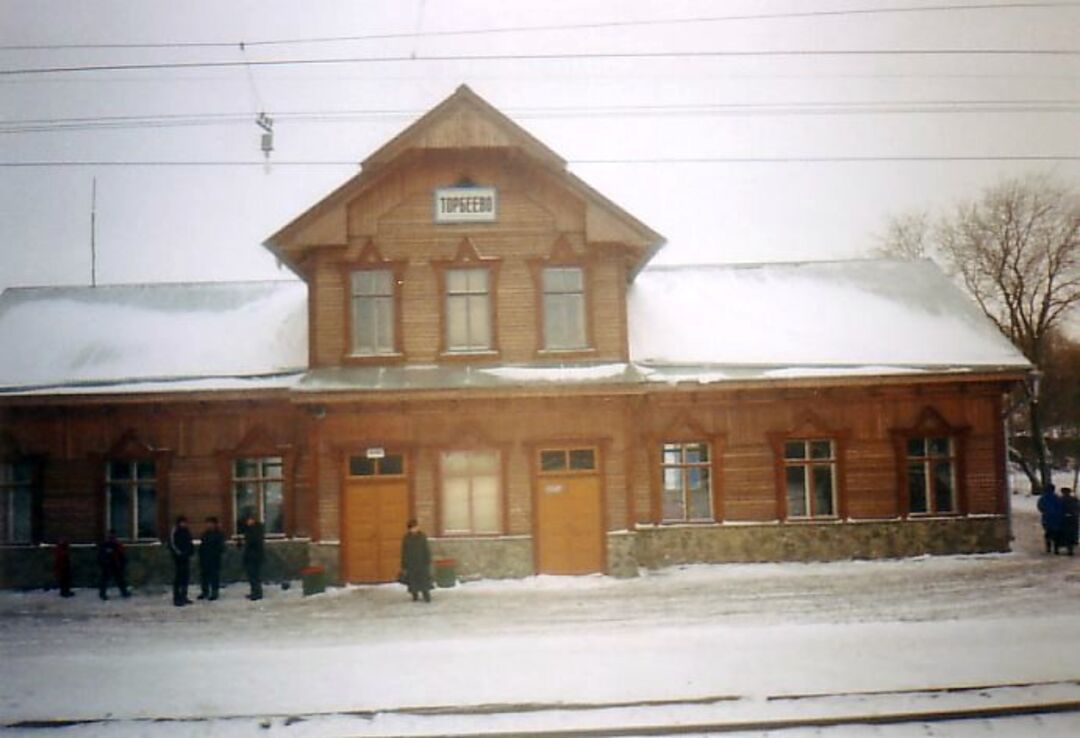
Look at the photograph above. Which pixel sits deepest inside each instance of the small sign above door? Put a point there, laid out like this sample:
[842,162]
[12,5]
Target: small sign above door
[466,205]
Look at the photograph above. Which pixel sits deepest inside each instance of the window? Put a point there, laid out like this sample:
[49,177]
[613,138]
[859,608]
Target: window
[553,461]
[470,492]
[259,491]
[687,493]
[810,477]
[468,310]
[373,312]
[931,475]
[390,465]
[16,506]
[131,498]
[564,308]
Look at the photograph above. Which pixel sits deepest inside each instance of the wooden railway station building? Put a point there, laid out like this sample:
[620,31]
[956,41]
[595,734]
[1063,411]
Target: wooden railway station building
[480,341]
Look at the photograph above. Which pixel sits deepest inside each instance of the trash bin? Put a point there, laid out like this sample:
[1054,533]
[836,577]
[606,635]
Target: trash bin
[445,572]
[314,579]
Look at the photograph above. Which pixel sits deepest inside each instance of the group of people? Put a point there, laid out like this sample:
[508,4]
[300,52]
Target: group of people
[211,551]
[112,561]
[1060,519]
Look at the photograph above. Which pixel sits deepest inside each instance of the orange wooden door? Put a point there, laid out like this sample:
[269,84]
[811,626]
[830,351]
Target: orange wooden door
[376,511]
[570,527]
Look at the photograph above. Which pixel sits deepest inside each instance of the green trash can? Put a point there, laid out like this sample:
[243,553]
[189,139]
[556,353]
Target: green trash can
[445,572]
[314,579]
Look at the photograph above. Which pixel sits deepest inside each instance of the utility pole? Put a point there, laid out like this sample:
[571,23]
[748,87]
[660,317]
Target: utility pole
[93,233]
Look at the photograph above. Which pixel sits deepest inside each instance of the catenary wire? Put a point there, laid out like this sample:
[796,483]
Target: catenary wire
[597,25]
[557,56]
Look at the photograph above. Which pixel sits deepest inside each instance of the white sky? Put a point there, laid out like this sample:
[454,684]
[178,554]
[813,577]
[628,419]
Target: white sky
[191,223]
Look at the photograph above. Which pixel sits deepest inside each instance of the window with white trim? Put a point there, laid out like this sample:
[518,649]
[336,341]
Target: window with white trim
[16,502]
[810,478]
[564,308]
[931,475]
[471,493]
[259,491]
[131,498]
[687,482]
[468,310]
[372,312]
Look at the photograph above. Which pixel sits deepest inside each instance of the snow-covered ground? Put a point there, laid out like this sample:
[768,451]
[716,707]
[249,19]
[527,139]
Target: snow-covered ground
[686,646]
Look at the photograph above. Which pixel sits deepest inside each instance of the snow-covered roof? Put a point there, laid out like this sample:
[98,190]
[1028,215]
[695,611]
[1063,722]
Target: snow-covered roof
[152,338]
[812,318]
[700,324]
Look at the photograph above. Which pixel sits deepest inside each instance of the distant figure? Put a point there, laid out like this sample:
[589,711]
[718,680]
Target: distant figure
[253,544]
[182,549]
[1049,505]
[210,551]
[1067,534]
[62,567]
[416,562]
[112,563]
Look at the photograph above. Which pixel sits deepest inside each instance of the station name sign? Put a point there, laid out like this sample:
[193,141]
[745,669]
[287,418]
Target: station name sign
[466,205]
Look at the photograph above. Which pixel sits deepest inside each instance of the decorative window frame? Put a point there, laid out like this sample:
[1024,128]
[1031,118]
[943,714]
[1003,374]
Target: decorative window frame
[258,443]
[370,258]
[685,429]
[931,424]
[11,453]
[562,255]
[809,426]
[470,439]
[468,257]
[131,447]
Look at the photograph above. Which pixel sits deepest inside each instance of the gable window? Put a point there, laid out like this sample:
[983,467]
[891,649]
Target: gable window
[810,478]
[372,314]
[468,310]
[471,492]
[131,498]
[258,490]
[687,484]
[931,475]
[564,308]
[16,502]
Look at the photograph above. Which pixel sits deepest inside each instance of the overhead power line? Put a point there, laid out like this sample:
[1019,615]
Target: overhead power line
[596,25]
[858,159]
[866,107]
[557,56]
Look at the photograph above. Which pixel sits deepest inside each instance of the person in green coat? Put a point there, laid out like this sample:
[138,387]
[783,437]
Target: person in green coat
[416,562]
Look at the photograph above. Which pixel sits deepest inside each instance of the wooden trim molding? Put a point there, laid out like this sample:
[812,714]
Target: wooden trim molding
[808,425]
[562,255]
[930,423]
[684,428]
[258,442]
[370,258]
[468,256]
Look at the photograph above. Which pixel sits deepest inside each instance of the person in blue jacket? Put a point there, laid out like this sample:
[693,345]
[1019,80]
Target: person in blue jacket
[1052,517]
[1070,521]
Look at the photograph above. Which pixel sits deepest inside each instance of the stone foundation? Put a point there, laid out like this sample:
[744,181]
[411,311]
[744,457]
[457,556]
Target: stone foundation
[31,567]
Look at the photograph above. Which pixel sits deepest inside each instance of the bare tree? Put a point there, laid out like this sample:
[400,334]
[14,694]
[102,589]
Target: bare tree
[1016,250]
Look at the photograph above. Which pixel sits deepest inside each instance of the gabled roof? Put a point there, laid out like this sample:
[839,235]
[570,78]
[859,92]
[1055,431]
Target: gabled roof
[462,121]
[211,335]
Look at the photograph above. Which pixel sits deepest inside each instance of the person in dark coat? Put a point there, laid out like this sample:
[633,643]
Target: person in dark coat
[416,562]
[182,549]
[211,549]
[1067,534]
[112,563]
[1049,505]
[254,536]
[62,567]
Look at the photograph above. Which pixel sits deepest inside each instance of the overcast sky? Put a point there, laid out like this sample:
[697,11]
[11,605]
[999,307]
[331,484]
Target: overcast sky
[732,157]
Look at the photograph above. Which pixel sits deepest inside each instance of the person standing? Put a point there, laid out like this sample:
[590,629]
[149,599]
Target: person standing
[1049,505]
[253,544]
[1070,522]
[112,564]
[211,548]
[416,562]
[62,567]
[182,549]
